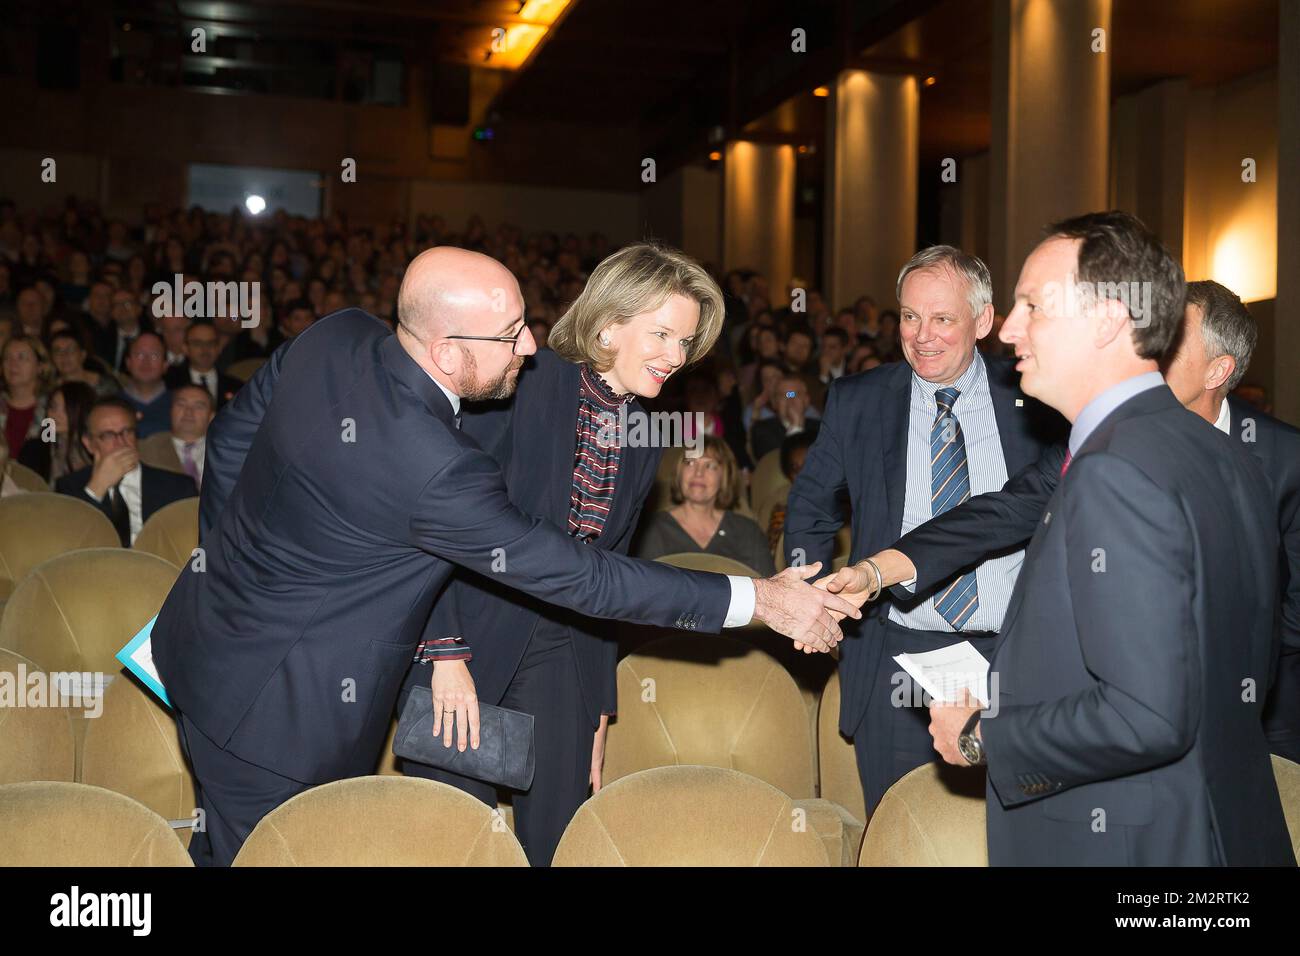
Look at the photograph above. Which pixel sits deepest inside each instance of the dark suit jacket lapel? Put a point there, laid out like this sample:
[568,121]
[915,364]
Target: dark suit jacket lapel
[1240,412]
[557,426]
[895,412]
[1011,431]
[404,370]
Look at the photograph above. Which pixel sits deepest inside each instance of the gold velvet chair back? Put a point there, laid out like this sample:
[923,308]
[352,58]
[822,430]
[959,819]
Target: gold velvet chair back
[690,816]
[934,816]
[837,766]
[245,369]
[1287,775]
[714,701]
[133,748]
[35,528]
[75,612]
[172,532]
[703,561]
[25,478]
[36,739]
[382,821]
[51,823]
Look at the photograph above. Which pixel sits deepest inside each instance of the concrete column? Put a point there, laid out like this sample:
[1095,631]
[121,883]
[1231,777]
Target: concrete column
[870,197]
[758,212]
[1051,120]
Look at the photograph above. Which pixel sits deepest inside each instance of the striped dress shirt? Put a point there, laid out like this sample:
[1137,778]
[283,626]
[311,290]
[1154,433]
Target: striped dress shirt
[996,577]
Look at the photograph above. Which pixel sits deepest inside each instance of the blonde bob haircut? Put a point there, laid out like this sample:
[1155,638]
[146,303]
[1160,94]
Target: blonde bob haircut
[636,279]
[719,451]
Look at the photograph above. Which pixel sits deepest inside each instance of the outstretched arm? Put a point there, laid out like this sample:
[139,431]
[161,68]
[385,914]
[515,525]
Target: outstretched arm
[494,538]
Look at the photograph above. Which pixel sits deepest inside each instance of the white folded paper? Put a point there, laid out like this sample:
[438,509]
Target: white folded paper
[945,673]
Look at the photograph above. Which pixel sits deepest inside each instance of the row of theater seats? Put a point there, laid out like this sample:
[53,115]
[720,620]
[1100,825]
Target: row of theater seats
[686,703]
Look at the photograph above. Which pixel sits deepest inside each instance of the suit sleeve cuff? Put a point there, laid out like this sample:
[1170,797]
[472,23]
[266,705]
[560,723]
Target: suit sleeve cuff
[92,496]
[741,609]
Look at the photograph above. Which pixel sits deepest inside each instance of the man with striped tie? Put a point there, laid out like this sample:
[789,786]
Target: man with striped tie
[904,442]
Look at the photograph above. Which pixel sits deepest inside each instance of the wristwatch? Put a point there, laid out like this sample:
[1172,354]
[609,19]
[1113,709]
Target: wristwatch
[971,747]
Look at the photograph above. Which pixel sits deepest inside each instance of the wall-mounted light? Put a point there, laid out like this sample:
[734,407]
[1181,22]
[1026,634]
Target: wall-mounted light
[822,91]
[256,204]
[931,80]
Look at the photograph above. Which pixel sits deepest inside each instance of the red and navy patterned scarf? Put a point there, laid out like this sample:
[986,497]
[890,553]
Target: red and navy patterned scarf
[595,461]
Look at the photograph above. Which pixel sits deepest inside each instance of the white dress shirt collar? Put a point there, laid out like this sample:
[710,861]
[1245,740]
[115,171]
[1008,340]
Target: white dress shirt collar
[1224,422]
[451,396]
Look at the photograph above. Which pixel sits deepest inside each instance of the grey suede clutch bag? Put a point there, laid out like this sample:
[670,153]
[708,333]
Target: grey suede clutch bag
[505,755]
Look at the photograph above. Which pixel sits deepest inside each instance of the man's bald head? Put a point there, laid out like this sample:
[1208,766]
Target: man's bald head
[460,316]
[450,291]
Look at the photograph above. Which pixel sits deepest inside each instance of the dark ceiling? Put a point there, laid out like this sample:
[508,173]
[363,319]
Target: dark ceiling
[683,71]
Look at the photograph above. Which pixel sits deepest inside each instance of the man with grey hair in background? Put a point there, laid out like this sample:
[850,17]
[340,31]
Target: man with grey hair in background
[904,442]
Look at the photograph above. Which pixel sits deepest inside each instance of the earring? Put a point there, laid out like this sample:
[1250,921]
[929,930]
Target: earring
[604,339]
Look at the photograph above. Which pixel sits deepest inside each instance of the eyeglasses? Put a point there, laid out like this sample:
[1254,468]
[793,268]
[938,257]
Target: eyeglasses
[514,340]
[109,436]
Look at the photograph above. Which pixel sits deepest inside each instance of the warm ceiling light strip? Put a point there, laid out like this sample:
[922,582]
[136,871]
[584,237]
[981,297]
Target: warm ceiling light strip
[521,39]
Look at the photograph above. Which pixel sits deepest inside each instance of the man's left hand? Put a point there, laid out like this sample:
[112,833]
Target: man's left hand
[946,723]
[598,753]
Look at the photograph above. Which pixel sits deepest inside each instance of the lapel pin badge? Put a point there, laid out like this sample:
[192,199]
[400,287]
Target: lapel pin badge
[1020,403]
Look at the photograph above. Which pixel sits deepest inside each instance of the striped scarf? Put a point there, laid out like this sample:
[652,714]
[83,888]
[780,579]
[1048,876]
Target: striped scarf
[595,461]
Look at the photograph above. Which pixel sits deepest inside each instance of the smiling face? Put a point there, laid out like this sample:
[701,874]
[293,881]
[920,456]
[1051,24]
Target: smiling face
[700,479]
[1049,329]
[651,346]
[936,327]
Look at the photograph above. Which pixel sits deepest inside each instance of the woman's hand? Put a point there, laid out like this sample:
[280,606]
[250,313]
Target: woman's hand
[454,699]
[598,753]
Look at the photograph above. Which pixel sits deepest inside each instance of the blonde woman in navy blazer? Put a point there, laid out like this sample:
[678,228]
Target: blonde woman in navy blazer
[645,313]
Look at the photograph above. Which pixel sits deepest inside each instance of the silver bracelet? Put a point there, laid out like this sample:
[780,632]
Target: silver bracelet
[880,580]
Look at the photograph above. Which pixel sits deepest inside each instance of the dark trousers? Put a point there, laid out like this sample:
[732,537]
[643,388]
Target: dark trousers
[232,793]
[893,737]
[546,685]
[1282,710]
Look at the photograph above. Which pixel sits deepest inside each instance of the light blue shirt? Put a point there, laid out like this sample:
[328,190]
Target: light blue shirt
[996,577]
[1095,412]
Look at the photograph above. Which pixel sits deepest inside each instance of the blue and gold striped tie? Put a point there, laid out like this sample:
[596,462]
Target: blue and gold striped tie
[949,487]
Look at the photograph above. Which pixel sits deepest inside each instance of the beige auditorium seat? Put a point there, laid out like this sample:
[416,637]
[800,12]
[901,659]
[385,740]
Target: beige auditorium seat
[934,816]
[768,487]
[35,528]
[158,451]
[1287,775]
[382,821]
[172,532]
[133,748]
[843,546]
[26,479]
[720,702]
[703,561]
[36,742]
[75,612]
[689,816]
[72,824]
[244,369]
[661,493]
[837,767]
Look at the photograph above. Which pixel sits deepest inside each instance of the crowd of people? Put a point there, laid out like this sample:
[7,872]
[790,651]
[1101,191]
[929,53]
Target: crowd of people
[80,322]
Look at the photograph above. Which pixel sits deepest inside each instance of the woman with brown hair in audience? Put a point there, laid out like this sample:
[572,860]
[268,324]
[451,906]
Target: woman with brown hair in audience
[25,373]
[68,406]
[703,492]
[646,312]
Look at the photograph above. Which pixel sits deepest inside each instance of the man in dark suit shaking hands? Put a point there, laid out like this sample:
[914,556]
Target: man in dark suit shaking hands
[904,442]
[1139,641]
[338,492]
